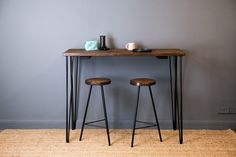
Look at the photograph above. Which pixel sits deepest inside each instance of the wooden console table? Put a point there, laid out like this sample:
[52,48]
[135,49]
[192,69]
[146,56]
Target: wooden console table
[73,57]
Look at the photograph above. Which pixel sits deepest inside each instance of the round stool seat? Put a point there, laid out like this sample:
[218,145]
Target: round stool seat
[98,81]
[142,82]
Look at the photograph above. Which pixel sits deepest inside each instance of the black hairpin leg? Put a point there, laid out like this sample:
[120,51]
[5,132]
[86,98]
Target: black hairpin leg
[171,95]
[75,94]
[178,97]
[155,113]
[135,117]
[68,105]
[72,89]
[176,90]
[105,114]
[85,113]
[77,88]
[180,102]
[67,128]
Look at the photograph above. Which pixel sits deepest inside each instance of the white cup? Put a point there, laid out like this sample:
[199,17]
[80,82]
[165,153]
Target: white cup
[131,46]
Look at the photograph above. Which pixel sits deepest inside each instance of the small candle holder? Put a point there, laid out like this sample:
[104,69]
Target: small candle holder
[103,43]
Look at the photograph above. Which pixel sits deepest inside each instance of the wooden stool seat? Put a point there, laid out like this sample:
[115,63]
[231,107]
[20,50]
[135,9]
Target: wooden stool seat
[142,82]
[98,81]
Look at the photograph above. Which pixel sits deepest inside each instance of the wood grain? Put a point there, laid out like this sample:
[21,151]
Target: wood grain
[124,52]
[142,82]
[98,81]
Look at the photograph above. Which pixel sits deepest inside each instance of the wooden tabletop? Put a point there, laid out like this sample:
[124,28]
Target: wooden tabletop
[123,52]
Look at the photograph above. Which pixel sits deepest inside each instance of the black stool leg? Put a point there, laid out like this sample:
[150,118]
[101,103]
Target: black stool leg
[85,114]
[105,114]
[135,117]
[171,96]
[155,113]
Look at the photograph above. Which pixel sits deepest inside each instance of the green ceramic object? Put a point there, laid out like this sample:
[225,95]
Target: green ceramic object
[91,45]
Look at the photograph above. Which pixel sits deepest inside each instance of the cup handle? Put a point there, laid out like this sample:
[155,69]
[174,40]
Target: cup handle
[127,46]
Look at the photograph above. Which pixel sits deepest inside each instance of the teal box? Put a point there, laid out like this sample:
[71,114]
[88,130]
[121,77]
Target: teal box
[91,45]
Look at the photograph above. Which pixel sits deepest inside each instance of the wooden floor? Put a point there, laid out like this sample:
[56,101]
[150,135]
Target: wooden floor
[51,143]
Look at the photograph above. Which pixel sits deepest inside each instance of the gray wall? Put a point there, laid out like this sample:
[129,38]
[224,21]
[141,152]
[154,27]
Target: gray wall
[34,35]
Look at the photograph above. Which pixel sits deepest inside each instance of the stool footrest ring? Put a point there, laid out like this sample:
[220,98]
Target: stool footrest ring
[95,125]
[148,126]
[96,121]
[138,121]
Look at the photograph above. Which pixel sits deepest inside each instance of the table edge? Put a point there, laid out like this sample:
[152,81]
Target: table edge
[84,53]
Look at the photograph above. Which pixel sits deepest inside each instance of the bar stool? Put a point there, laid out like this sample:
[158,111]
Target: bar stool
[99,81]
[144,82]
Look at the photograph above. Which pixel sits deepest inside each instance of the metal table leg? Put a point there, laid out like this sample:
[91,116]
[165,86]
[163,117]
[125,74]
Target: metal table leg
[76,81]
[181,102]
[72,90]
[72,71]
[68,109]
[176,100]
[178,96]
[171,95]
[176,92]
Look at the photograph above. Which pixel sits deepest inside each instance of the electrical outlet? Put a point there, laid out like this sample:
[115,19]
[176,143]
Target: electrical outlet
[224,109]
[229,109]
[232,110]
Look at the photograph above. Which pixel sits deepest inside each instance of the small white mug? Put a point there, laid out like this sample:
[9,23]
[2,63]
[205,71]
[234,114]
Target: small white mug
[131,46]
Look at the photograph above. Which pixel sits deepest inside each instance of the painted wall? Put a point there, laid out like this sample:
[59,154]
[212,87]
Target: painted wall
[34,35]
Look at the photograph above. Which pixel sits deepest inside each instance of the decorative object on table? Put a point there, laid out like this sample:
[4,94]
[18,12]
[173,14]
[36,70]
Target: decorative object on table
[142,50]
[91,45]
[103,43]
[131,46]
